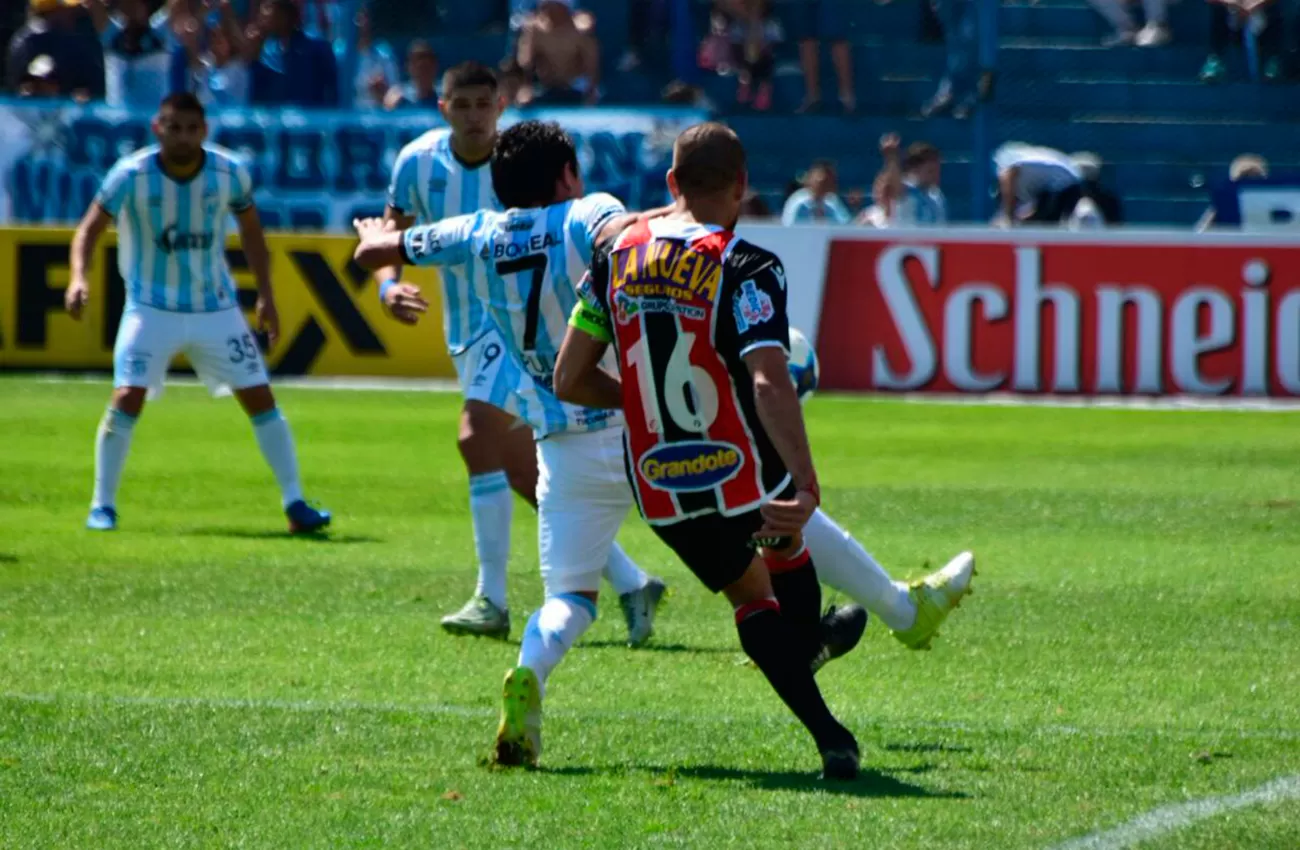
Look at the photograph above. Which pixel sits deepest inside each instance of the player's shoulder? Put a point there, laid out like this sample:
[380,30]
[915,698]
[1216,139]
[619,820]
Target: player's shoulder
[224,159]
[428,143]
[747,259]
[596,202]
[138,162]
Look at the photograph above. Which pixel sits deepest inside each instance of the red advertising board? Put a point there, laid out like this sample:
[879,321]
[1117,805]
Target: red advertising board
[1109,317]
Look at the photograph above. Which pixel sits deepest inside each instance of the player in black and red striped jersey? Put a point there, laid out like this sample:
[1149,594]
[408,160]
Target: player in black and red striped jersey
[715,446]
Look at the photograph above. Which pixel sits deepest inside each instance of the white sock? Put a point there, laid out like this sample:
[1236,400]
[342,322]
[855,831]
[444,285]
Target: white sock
[490,507]
[276,443]
[552,630]
[112,443]
[843,564]
[622,573]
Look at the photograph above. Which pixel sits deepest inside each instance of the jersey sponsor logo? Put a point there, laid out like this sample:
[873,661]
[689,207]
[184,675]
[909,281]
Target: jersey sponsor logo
[535,244]
[690,466]
[666,269]
[627,308]
[753,307]
[172,240]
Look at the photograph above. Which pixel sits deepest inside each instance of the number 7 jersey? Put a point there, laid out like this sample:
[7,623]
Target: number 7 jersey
[683,304]
[524,265]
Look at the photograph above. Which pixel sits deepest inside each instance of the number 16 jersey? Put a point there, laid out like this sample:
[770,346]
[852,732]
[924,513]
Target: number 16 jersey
[683,304]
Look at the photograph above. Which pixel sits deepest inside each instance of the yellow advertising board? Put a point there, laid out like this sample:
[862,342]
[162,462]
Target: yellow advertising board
[331,321]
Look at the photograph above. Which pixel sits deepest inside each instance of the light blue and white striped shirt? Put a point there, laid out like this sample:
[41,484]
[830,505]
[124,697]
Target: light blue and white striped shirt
[172,234]
[431,183]
[921,206]
[525,267]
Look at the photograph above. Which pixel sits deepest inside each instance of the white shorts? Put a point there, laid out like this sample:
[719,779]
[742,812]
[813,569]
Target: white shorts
[488,373]
[220,346]
[583,497]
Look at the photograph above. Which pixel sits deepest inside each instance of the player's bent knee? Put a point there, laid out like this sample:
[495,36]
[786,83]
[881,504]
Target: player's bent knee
[256,400]
[129,400]
[753,586]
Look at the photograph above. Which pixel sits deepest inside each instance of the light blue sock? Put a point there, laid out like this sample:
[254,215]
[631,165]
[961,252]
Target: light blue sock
[622,573]
[553,630]
[112,443]
[276,443]
[491,505]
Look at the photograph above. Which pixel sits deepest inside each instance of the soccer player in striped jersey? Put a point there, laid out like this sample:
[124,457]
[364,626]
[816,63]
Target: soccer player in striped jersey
[440,175]
[171,203]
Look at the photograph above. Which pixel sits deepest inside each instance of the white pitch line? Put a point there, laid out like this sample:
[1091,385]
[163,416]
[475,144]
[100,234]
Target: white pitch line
[447,709]
[1172,818]
[444,385]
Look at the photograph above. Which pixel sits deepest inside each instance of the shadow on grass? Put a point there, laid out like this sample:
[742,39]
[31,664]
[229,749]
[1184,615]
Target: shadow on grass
[870,783]
[268,534]
[8,558]
[925,748]
[661,647]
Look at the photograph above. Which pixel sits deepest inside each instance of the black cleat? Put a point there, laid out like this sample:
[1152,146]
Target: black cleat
[842,628]
[840,765]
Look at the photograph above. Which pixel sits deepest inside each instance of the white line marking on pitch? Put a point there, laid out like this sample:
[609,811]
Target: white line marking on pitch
[438,709]
[442,385]
[1178,816]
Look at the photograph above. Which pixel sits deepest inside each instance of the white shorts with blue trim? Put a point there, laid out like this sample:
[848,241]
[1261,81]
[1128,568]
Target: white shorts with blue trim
[488,373]
[583,496]
[219,345]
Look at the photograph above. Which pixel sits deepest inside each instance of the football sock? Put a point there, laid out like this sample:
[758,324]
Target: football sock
[276,443]
[552,630]
[491,505]
[112,443]
[622,574]
[847,567]
[794,581]
[766,637]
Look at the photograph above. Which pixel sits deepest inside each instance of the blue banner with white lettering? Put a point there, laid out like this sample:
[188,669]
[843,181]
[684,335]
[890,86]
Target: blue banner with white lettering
[312,170]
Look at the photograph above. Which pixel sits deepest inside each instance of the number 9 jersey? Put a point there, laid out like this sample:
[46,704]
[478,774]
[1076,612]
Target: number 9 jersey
[683,303]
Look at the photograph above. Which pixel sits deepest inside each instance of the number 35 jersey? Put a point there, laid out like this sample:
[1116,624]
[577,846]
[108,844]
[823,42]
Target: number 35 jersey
[525,265]
[683,304]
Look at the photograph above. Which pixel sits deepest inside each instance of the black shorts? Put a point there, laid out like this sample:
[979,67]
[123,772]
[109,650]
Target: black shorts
[717,548]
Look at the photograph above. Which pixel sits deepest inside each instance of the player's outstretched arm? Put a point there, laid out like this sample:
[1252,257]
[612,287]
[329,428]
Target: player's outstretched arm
[381,244]
[253,238]
[92,226]
[578,376]
[404,301]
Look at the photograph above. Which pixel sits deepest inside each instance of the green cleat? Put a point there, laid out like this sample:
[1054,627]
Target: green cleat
[936,596]
[639,609]
[481,617]
[519,735]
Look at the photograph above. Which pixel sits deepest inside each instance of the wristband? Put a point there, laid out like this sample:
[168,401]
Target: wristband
[384,286]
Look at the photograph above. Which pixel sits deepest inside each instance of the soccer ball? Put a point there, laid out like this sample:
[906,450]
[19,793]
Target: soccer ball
[804,369]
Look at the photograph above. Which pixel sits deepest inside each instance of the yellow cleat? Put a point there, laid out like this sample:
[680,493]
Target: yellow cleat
[935,597]
[519,735]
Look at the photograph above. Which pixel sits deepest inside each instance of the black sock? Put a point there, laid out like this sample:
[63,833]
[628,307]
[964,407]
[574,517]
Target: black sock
[766,637]
[800,595]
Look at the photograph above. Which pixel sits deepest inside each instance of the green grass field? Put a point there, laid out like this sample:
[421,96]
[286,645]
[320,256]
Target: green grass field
[198,679]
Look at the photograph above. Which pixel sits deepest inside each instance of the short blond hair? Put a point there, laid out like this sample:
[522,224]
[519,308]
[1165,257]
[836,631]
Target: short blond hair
[1247,165]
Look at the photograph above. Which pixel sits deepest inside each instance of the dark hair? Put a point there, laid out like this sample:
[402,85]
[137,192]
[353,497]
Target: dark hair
[708,158]
[823,164]
[468,74]
[183,101]
[918,154]
[529,159]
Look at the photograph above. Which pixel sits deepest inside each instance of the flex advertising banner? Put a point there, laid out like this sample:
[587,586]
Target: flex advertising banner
[331,321]
[1114,314]
[313,171]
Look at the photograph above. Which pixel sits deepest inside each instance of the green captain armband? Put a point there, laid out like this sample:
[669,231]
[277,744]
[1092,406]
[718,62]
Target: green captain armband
[592,322]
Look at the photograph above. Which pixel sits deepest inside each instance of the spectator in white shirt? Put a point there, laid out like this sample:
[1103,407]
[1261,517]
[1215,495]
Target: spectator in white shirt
[1035,184]
[137,52]
[817,200]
